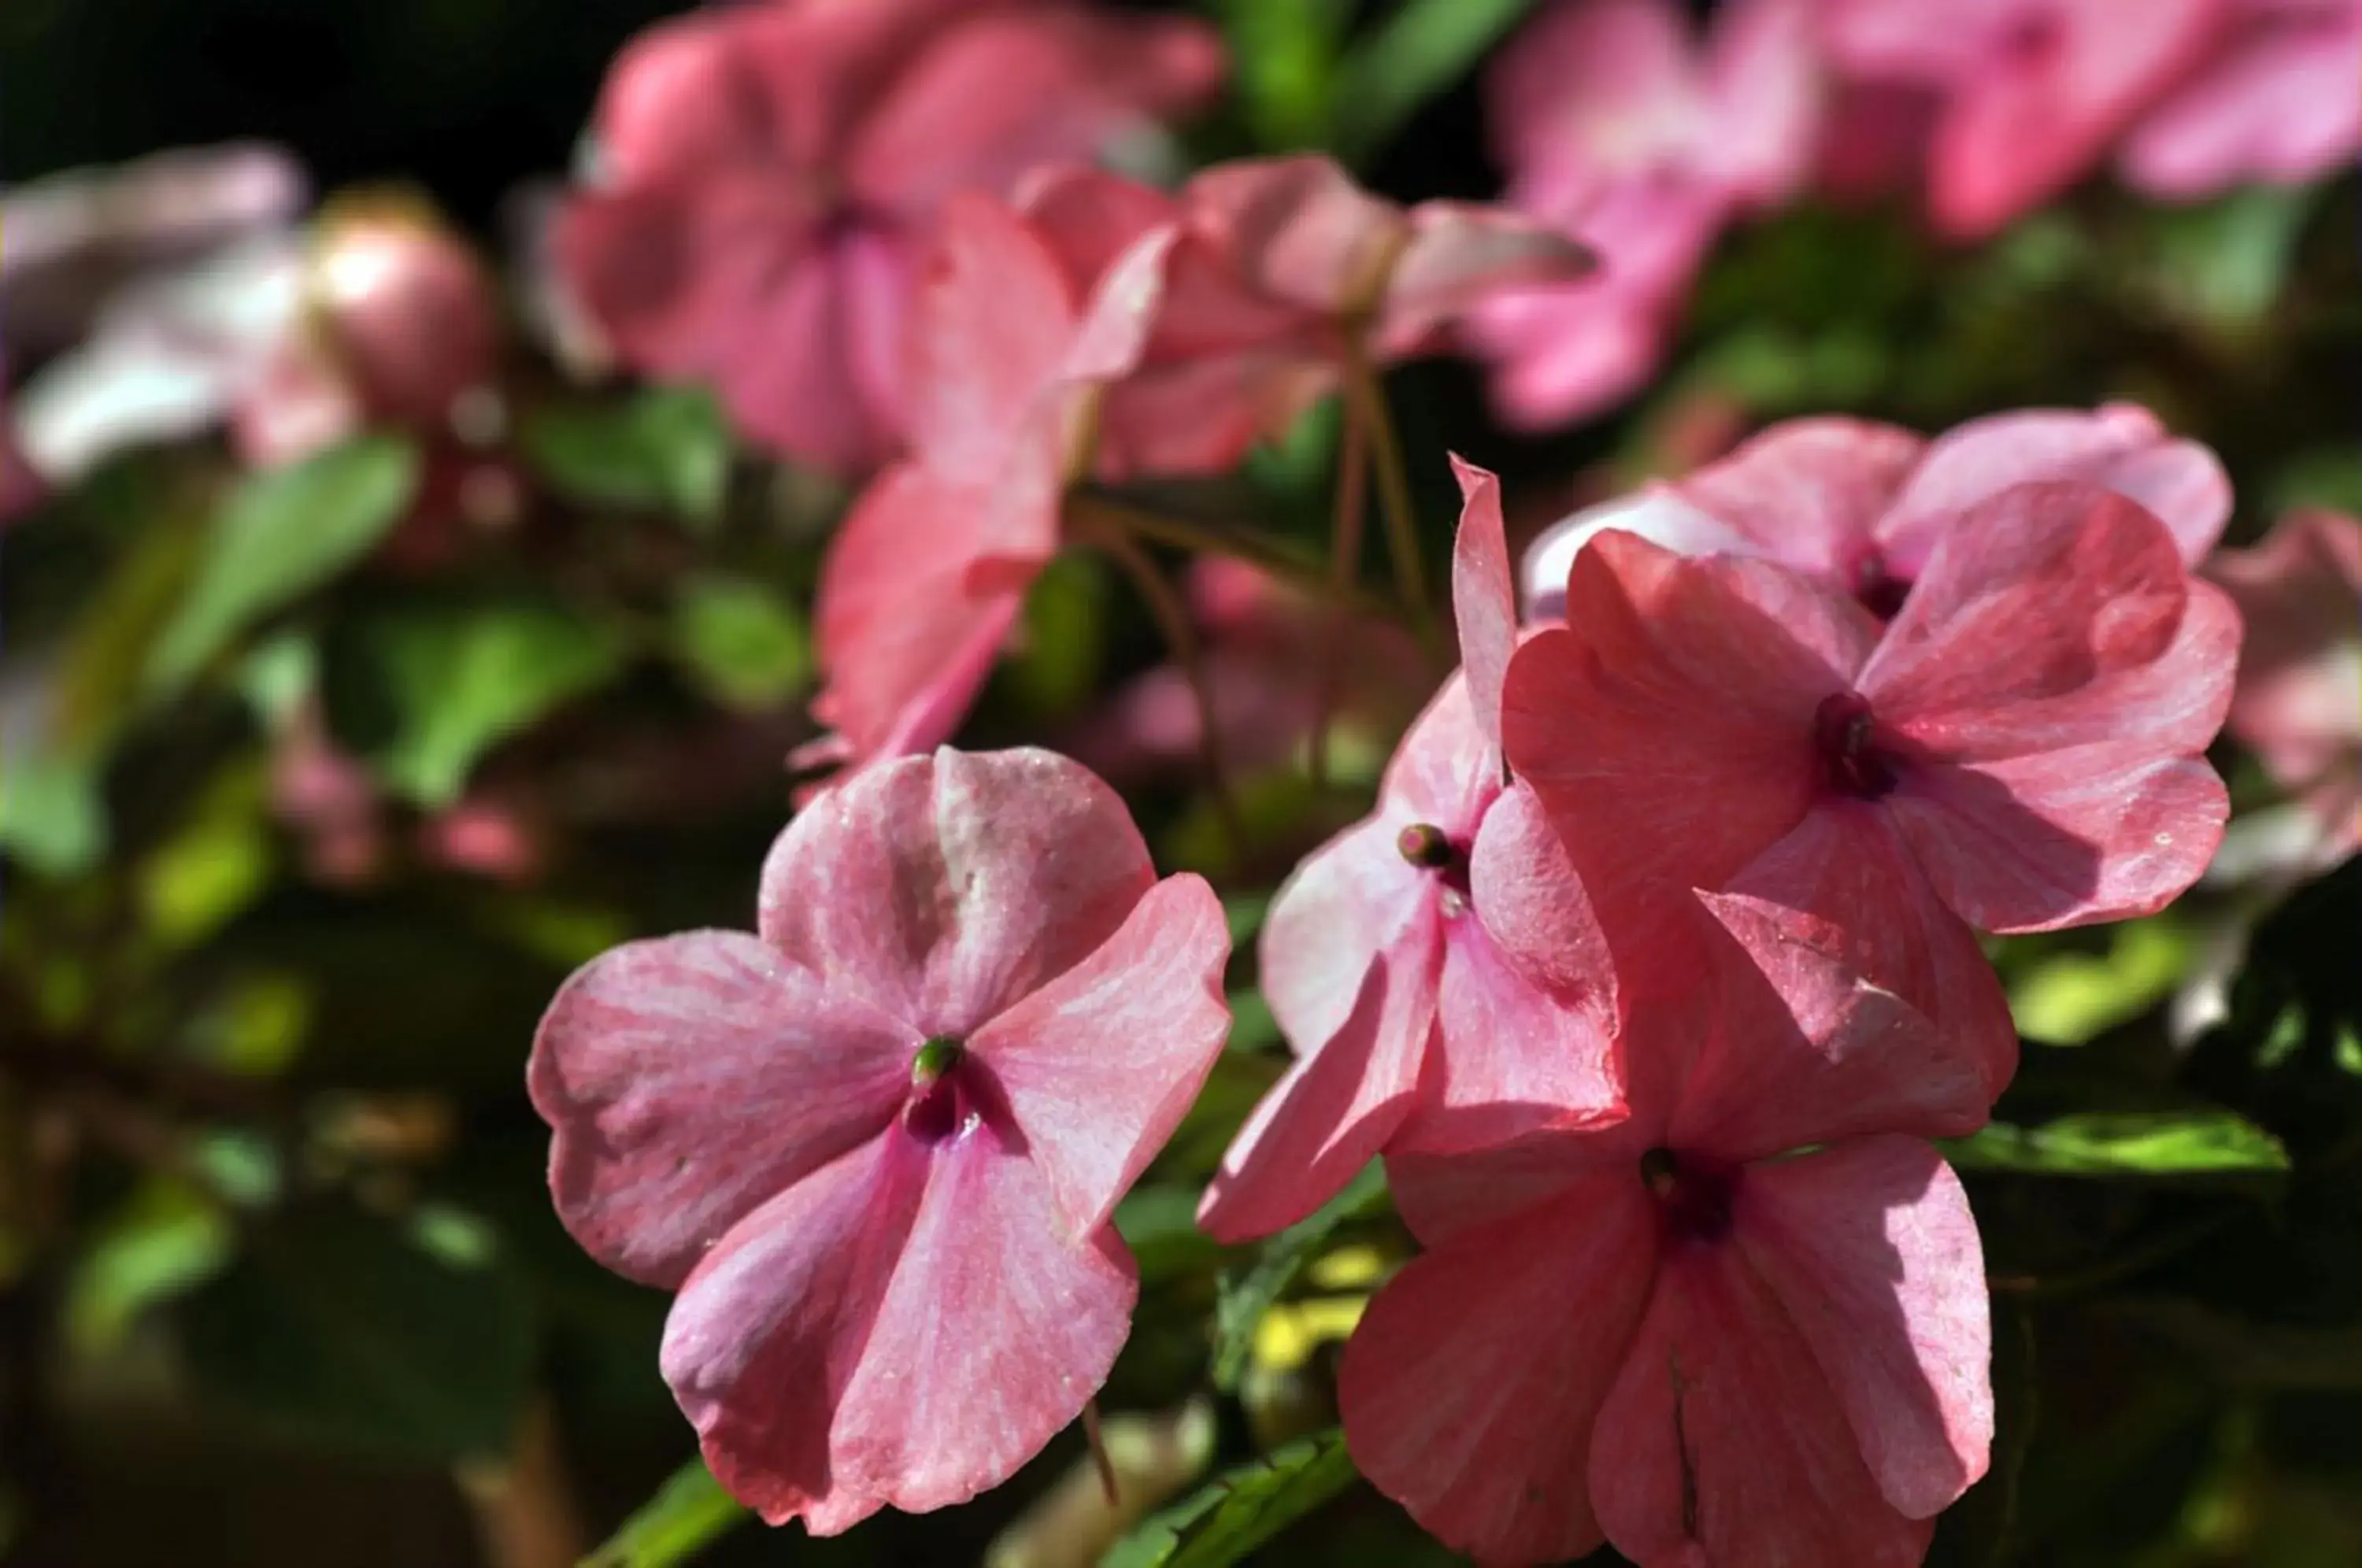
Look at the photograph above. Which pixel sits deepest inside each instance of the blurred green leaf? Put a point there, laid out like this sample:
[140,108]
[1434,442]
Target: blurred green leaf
[352,1330]
[1247,1294]
[1056,664]
[664,450]
[2164,1143]
[165,1240]
[1422,49]
[2066,998]
[688,1513]
[51,818]
[1159,1223]
[1284,56]
[743,642]
[279,535]
[1242,1509]
[2224,264]
[215,863]
[463,678]
[1253,1028]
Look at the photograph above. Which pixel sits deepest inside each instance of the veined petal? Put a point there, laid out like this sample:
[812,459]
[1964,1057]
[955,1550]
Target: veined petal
[1101,1065]
[1871,1247]
[1469,1387]
[1484,594]
[1808,491]
[690,1079]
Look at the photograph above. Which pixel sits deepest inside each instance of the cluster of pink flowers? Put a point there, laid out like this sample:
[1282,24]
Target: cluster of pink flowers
[1656,968]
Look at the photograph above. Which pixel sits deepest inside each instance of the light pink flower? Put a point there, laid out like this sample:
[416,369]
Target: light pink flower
[1384,961]
[1678,1334]
[2017,750]
[1619,126]
[2272,100]
[875,1146]
[1863,505]
[1285,273]
[2298,706]
[926,574]
[768,170]
[2034,92]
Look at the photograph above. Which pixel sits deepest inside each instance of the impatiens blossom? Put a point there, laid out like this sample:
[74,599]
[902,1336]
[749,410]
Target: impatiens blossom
[1284,274]
[2298,706]
[874,1146]
[1383,957]
[1862,505]
[2030,95]
[768,171]
[928,571]
[1680,1333]
[2273,99]
[2017,750]
[1619,126]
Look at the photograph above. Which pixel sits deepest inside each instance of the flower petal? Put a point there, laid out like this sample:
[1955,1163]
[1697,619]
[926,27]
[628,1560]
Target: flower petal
[1484,594]
[1099,1066]
[2094,832]
[1507,1054]
[1803,1050]
[950,886]
[1300,230]
[690,1079]
[1460,255]
[1721,1433]
[1468,1390]
[993,316]
[1809,492]
[1871,1247]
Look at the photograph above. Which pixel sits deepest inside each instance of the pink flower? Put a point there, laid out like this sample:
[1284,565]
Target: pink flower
[1268,649]
[927,574]
[2017,750]
[2272,100]
[874,1148]
[2034,92]
[1677,1333]
[2298,706]
[1620,127]
[770,169]
[1384,961]
[1285,272]
[1863,505]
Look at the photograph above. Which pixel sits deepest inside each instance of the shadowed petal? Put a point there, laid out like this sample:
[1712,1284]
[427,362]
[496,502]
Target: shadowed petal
[951,886]
[1507,1054]
[1468,1390]
[689,1079]
[1871,1247]
[1722,1433]
[1099,1064]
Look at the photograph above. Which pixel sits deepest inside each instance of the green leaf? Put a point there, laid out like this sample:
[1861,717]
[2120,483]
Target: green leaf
[666,449]
[167,1239]
[1246,1296]
[688,1513]
[744,643]
[281,535]
[1421,50]
[53,820]
[1284,55]
[346,1329]
[2224,264]
[2067,998]
[1242,1509]
[1054,668]
[461,680]
[1160,1225]
[1253,1027]
[2163,1144]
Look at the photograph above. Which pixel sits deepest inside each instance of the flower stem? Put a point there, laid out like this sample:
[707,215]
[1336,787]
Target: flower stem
[1344,571]
[1280,557]
[1367,404]
[1103,533]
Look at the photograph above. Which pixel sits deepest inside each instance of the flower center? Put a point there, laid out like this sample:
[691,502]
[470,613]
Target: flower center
[1845,734]
[1431,849]
[1692,1195]
[1878,590]
[939,1106]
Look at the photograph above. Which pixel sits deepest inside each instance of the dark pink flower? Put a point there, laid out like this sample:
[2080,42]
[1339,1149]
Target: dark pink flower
[1863,505]
[2272,100]
[1622,128]
[1678,1334]
[1285,273]
[927,574]
[874,1148]
[2017,750]
[768,171]
[2298,706]
[1384,961]
[2033,93]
